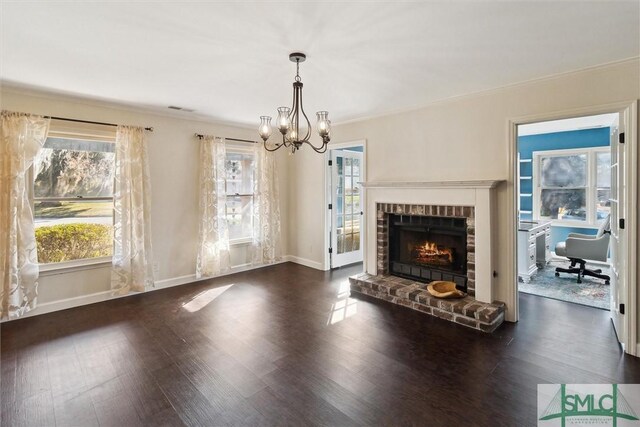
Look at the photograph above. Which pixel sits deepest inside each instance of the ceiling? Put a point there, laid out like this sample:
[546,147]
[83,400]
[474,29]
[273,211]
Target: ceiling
[229,61]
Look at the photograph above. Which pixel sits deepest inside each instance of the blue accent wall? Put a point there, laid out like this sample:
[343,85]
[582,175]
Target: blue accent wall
[585,138]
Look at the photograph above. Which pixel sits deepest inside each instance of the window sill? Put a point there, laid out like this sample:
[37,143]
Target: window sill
[241,242]
[75,265]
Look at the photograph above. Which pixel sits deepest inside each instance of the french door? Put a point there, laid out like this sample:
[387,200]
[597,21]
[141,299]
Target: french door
[618,245]
[346,207]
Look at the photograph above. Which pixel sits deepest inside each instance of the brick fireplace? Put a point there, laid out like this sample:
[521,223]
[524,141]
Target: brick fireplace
[426,220]
[420,232]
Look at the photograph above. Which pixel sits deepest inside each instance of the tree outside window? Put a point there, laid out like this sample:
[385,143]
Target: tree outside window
[573,185]
[73,199]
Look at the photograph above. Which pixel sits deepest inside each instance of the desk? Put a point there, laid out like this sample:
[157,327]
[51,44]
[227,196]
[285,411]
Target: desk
[534,246]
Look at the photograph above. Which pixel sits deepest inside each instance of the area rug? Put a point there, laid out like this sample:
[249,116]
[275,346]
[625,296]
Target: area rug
[592,292]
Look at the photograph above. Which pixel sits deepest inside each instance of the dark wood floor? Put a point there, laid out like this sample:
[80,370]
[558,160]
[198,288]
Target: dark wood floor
[283,346]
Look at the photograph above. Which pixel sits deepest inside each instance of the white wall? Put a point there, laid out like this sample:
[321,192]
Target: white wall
[465,138]
[173,160]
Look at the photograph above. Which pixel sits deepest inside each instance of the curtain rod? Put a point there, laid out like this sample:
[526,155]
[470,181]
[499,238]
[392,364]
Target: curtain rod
[200,136]
[150,129]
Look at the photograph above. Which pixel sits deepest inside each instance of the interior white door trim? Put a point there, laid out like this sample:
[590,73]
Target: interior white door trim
[631,109]
[327,194]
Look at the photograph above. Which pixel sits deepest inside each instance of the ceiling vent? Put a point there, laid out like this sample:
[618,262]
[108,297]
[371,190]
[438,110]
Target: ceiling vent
[186,110]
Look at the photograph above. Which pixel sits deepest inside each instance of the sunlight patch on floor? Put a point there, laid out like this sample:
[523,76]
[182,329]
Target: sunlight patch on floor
[344,290]
[204,298]
[344,307]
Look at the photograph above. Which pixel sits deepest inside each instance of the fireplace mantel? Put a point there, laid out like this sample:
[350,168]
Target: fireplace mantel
[478,194]
[477,184]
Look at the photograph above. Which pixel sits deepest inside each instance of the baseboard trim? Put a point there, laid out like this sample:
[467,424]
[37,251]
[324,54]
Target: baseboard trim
[190,278]
[306,262]
[63,304]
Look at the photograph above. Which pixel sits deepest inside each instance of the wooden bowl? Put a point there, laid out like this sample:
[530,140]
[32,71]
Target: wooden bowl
[441,289]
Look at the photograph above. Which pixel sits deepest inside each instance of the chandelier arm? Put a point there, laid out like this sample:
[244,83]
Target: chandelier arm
[292,113]
[308,135]
[322,149]
[284,141]
[276,147]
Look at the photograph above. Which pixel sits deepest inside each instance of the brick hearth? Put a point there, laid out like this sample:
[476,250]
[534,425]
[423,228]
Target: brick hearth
[465,311]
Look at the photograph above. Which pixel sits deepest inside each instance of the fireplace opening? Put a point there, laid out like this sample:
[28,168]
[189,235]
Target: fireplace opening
[428,248]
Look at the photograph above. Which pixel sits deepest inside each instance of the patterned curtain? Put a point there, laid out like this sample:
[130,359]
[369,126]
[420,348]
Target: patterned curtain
[213,244]
[266,248]
[132,253]
[21,137]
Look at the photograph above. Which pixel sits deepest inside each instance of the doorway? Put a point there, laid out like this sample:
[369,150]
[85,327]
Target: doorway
[574,180]
[345,209]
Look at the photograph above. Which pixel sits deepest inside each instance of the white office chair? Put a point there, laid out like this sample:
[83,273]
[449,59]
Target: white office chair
[581,247]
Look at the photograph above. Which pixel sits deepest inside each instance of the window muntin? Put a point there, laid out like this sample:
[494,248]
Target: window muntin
[240,169]
[73,199]
[572,187]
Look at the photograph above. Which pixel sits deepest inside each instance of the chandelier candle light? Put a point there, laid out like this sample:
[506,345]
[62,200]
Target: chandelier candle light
[288,120]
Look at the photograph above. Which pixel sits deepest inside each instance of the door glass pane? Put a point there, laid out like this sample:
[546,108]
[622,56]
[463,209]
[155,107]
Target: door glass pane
[355,222]
[565,204]
[348,203]
[356,168]
[347,169]
[356,203]
[348,228]
[564,171]
[603,165]
[603,206]
[356,241]
[348,184]
[339,163]
[340,239]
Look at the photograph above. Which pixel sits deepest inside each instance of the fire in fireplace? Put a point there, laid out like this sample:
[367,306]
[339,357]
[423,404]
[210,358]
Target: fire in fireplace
[428,248]
[430,253]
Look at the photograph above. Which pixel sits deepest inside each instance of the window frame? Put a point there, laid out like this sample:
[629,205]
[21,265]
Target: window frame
[232,148]
[591,188]
[81,132]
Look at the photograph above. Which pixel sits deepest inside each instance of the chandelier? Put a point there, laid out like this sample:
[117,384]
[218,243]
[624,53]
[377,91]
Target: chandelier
[289,120]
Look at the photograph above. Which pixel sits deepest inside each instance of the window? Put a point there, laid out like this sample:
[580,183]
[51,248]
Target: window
[240,166]
[73,198]
[572,186]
